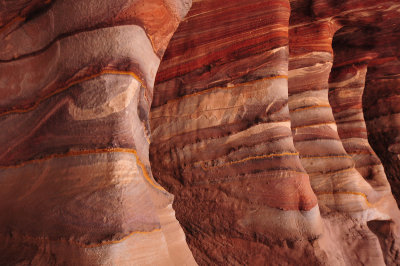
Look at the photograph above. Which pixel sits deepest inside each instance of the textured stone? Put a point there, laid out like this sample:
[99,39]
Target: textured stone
[220,144]
[273,126]
[76,80]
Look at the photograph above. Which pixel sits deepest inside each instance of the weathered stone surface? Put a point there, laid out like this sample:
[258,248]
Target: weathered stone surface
[220,142]
[328,67]
[76,83]
[273,126]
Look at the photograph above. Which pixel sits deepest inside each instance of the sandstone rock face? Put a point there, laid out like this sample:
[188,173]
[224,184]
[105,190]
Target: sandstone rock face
[76,83]
[258,130]
[273,126]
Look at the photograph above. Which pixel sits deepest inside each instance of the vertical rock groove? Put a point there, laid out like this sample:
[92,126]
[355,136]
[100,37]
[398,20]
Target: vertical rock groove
[268,128]
[221,138]
[215,133]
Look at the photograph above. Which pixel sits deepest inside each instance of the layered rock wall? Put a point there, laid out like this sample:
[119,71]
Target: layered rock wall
[211,147]
[76,84]
[221,137]
[274,124]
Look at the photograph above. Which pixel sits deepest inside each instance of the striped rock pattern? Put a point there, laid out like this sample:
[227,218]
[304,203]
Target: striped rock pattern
[221,136]
[273,123]
[76,84]
[380,103]
[327,76]
[236,76]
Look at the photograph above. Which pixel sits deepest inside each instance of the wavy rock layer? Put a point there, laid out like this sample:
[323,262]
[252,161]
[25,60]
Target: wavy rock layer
[76,83]
[273,123]
[221,137]
[258,130]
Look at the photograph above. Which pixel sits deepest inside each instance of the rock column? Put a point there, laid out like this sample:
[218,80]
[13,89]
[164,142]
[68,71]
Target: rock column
[76,85]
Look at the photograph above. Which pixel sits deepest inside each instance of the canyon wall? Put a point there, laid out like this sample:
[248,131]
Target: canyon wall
[76,186]
[258,130]
[268,129]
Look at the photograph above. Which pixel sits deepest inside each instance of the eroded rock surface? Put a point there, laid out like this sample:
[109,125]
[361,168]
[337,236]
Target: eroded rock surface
[76,83]
[256,102]
[273,126]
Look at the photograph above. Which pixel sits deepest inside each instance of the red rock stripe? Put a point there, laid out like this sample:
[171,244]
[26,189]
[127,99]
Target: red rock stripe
[69,85]
[249,159]
[86,245]
[86,152]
